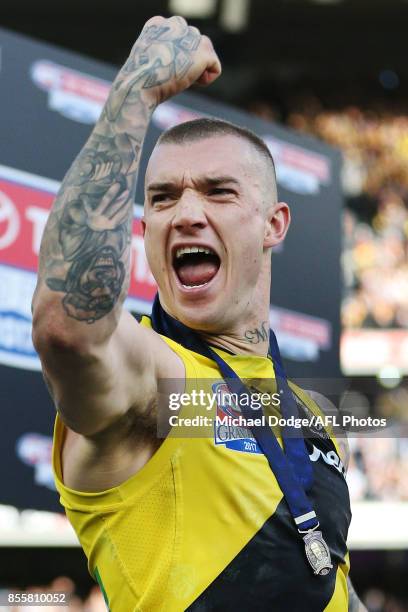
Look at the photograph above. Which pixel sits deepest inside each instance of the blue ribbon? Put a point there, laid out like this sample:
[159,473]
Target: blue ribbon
[292,468]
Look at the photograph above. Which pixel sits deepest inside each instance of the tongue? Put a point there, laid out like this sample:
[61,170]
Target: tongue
[197,274]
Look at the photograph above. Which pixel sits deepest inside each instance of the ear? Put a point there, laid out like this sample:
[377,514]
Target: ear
[276,224]
[143,222]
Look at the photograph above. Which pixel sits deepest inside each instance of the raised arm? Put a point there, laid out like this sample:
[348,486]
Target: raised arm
[95,357]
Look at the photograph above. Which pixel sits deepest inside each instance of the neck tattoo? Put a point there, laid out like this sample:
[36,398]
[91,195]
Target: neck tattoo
[257,334]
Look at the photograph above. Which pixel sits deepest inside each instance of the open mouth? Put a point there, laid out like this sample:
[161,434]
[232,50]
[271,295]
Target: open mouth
[105,258]
[195,266]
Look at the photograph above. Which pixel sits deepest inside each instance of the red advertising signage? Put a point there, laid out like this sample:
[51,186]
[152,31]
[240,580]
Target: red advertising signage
[25,202]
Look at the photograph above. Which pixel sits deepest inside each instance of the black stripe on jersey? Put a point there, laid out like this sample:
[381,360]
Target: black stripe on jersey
[271,573]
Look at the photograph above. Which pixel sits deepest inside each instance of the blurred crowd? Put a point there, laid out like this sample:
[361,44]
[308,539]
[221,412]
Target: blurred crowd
[376,600]
[378,468]
[375,181]
[375,264]
[374,144]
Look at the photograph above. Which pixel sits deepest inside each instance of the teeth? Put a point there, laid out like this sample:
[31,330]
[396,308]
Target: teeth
[193,249]
[191,286]
[105,261]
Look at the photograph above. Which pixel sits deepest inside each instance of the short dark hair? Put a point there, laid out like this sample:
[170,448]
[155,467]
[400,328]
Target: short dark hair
[206,127]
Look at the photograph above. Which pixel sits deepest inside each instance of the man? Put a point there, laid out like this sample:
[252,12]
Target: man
[179,522]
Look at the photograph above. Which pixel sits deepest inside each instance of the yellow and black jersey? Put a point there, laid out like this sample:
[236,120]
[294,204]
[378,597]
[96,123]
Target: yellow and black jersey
[203,526]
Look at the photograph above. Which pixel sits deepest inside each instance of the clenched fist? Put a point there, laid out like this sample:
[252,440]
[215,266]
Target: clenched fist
[167,58]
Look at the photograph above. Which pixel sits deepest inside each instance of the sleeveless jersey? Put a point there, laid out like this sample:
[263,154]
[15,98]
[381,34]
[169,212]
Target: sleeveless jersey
[203,526]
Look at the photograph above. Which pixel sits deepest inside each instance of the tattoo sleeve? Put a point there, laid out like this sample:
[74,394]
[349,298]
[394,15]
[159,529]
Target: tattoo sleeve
[85,250]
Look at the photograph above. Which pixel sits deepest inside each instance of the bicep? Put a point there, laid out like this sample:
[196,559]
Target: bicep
[97,386]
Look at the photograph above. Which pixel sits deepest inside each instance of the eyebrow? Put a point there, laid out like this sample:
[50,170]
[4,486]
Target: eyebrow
[211,181]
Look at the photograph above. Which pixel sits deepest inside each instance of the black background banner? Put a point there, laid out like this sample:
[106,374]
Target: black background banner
[43,128]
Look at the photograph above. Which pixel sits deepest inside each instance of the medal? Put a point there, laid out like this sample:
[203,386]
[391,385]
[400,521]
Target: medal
[317,552]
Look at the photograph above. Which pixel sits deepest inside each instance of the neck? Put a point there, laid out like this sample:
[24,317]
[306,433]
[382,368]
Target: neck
[249,334]
[249,339]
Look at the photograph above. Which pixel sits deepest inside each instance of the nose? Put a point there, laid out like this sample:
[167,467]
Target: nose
[189,212]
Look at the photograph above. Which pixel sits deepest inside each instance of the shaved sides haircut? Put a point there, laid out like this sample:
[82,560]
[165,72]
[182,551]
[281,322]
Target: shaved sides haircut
[199,129]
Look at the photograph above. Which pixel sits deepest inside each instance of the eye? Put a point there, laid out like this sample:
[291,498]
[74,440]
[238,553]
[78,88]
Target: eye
[220,191]
[161,197]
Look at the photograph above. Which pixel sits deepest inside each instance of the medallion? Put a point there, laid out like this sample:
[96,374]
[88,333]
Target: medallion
[317,553]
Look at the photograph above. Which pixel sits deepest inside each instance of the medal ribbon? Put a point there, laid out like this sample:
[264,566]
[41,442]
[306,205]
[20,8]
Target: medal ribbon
[292,468]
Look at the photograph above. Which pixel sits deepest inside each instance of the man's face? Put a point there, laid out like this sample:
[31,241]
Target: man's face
[207,196]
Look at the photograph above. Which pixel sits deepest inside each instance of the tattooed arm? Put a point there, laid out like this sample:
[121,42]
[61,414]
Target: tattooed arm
[79,328]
